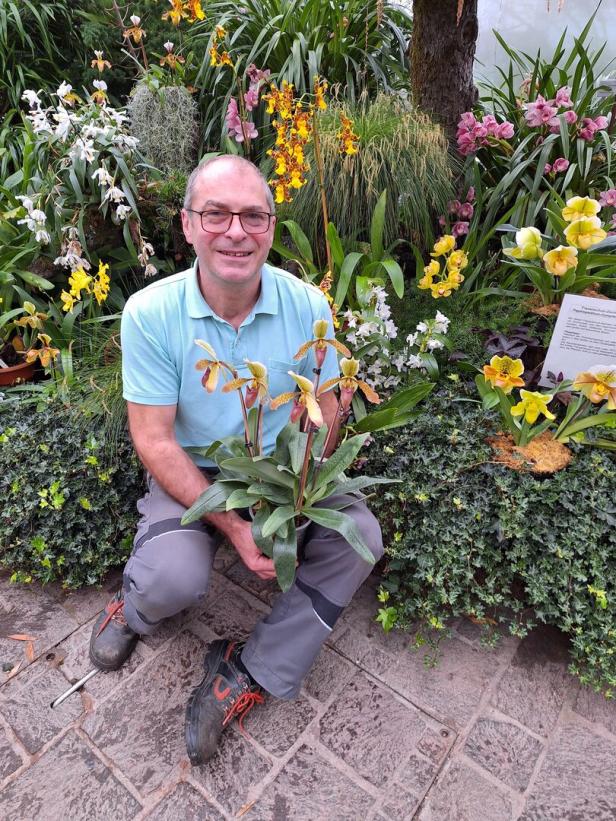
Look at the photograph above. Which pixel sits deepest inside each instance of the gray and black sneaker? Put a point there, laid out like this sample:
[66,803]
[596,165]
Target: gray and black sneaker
[112,639]
[225,692]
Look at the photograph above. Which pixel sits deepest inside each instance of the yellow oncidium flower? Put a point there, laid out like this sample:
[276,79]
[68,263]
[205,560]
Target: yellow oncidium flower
[46,353]
[211,367]
[598,384]
[528,244]
[560,260]
[79,281]
[176,13]
[100,289]
[33,317]
[220,32]
[135,32]
[531,404]
[320,87]
[256,384]
[99,62]
[349,140]
[304,401]
[195,12]
[504,372]
[585,232]
[443,245]
[580,207]
[456,260]
[320,343]
[68,301]
[349,383]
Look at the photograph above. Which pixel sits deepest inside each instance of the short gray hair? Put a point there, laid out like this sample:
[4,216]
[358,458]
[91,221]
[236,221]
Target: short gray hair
[237,160]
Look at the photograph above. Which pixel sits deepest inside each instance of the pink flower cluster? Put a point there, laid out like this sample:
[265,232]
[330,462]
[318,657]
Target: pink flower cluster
[472,134]
[607,199]
[463,211]
[557,167]
[542,112]
[241,130]
[245,129]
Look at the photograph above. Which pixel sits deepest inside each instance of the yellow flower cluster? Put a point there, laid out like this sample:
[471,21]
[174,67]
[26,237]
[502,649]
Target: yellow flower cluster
[184,10]
[79,281]
[442,281]
[293,131]
[349,141]
[325,286]
[218,58]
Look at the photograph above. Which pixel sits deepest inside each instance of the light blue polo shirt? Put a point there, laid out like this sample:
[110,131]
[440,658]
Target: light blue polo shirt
[161,322]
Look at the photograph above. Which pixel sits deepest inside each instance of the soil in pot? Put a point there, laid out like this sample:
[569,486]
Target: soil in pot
[542,455]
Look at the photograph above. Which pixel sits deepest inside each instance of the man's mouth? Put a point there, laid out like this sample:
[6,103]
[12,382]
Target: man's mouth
[236,254]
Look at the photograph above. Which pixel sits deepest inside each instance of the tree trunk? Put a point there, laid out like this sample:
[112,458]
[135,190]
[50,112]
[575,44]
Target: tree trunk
[442,55]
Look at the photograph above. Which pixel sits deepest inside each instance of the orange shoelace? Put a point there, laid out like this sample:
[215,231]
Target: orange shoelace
[244,703]
[114,611]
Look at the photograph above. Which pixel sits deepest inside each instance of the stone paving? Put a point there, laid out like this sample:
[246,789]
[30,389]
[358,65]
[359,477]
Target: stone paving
[487,735]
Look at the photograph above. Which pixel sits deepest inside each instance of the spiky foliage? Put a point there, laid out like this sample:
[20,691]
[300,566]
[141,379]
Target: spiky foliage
[165,122]
[400,150]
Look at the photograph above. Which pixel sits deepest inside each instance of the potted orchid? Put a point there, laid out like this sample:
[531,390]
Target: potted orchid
[285,489]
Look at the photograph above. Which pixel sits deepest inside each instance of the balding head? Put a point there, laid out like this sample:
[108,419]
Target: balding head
[232,160]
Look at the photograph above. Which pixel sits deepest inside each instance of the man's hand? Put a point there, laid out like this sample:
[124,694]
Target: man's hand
[249,553]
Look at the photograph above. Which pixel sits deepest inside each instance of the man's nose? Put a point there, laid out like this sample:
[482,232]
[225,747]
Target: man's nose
[236,229]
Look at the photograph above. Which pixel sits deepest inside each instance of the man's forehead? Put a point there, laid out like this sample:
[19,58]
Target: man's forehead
[215,187]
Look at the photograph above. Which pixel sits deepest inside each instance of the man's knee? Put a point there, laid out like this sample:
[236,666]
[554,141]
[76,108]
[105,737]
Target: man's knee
[370,530]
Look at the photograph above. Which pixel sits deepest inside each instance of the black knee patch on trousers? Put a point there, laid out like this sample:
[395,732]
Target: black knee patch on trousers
[326,610]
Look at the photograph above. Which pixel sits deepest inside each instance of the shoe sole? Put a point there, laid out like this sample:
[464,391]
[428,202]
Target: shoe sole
[195,753]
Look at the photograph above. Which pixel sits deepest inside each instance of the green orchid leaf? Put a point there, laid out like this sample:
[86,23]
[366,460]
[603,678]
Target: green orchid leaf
[265,545]
[258,468]
[240,499]
[285,555]
[279,517]
[212,500]
[343,524]
[339,461]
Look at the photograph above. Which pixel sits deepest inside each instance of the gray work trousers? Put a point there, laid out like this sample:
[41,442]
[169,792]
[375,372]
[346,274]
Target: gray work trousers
[170,566]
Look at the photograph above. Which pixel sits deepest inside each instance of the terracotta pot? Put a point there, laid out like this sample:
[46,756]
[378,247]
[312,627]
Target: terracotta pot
[16,373]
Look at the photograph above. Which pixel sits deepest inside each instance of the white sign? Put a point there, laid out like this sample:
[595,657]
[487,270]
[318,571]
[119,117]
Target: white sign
[584,335]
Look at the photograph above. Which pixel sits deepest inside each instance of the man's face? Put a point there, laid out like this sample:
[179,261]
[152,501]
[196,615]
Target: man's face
[235,256]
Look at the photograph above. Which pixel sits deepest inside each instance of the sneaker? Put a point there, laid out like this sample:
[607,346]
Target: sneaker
[225,692]
[112,639]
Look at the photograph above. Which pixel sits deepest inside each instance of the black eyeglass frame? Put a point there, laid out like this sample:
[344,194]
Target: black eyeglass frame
[231,215]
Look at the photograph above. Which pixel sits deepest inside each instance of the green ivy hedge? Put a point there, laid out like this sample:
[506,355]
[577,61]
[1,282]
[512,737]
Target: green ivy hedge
[468,536]
[67,508]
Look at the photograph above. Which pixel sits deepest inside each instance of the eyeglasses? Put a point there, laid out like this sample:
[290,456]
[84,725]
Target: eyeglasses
[219,222]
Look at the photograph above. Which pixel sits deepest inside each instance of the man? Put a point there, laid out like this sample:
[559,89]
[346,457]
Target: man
[244,309]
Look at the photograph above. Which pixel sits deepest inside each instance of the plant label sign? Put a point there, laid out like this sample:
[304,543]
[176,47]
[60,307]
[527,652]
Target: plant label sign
[584,336]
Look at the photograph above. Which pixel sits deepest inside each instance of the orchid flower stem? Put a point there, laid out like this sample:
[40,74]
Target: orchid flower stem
[302,481]
[319,164]
[259,443]
[246,428]
[243,116]
[144,55]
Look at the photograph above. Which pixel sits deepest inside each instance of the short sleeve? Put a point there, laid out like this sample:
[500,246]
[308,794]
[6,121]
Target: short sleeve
[149,376]
[329,369]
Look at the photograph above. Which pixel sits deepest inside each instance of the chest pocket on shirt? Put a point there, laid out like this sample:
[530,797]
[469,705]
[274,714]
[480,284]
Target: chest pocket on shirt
[279,379]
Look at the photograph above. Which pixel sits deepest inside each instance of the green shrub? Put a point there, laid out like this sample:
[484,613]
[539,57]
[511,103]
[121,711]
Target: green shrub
[68,510]
[468,536]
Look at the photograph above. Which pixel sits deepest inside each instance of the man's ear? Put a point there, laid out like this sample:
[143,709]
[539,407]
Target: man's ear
[187,226]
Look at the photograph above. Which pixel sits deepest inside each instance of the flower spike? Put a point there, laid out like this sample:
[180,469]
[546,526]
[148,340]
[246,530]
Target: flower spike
[304,401]
[349,383]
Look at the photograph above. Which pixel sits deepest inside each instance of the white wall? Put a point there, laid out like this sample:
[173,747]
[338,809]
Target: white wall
[527,25]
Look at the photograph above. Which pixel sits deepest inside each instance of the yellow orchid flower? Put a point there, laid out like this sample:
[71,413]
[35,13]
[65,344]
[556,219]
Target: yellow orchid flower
[320,343]
[176,13]
[560,260]
[585,232]
[68,301]
[46,353]
[580,207]
[221,32]
[79,281]
[528,244]
[457,260]
[257,383]
[504,372]
[598,384]
[135,32]
[99,62]
[304,401]
[320,87]
[533,403]
[195,11]
[443,245]
[211,367]
[33,317]
[349,383]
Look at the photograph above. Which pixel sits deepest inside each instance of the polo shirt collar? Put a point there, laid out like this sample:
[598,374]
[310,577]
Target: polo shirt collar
[197,307]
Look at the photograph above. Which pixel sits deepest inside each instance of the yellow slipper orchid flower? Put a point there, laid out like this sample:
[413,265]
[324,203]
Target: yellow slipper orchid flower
[320,343]
[257,384]
[349,383]
[560,260]
[304,401]
[504,372]
[533,403]
[580,207]
[585,232]
[211,367]
[598,384]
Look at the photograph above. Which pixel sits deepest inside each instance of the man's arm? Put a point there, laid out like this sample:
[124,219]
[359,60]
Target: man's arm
[152,431]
